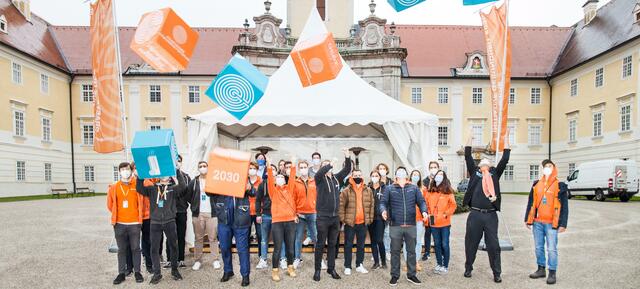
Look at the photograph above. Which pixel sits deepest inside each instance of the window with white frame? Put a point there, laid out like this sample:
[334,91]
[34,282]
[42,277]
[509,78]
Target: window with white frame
[512,133]
[21,171]
[89,173]
[87,134]
[16,75]
[597,124]
[46,128]
[535,95]
[600,77]
[155,95]
[572,168]
[574,87]
[44,83]
[443,135]
[116,174]
[573,130]
[627,66]
[194,94]
[443,95]
[416,95]
[477,129]
[3,24]
[155,127]
[508,173]
[535,134]
[18,122]
[87,92]
[512,95]
[533,172]
[625,118]
[476,95]
[47,172]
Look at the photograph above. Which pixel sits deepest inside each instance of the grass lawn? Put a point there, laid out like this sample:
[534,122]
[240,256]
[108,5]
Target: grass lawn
[35,197]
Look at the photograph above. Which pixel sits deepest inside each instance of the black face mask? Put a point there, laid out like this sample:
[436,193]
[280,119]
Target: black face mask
[357,180]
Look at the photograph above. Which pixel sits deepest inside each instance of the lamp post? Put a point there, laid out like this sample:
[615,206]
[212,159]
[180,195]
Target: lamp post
[263,150]
[356,151]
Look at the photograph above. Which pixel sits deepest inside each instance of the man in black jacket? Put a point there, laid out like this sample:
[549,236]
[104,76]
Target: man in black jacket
[328,222]
[483,198]
[181,215]
[203,218]
[263,217]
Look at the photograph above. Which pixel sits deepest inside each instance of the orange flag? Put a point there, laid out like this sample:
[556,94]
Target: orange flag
[498,39]
[106,80]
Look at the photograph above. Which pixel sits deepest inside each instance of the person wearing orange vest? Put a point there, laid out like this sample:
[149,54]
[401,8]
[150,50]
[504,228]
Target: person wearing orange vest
[441,204]
[126,207]
[547,212]
[305,191]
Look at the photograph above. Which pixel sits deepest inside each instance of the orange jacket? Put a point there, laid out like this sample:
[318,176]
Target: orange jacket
[252,200]
[305,196]
[146,211]
[112,203]
[548,212]
[283,199]
[442,206]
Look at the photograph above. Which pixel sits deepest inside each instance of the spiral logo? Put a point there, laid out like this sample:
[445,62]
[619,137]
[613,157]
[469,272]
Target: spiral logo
[408,2]
[233,93]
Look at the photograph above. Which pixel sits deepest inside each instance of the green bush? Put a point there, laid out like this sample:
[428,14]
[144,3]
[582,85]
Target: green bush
[460,208]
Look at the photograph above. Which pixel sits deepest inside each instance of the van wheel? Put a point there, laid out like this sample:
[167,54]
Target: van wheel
[589,198]
[599,196]
[625,197]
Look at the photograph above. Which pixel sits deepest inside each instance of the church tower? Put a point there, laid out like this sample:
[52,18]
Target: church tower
[337,15]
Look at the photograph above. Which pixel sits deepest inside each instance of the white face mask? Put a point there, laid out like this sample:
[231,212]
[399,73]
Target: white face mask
[438,179]
[304,172]
[401,174]
[375,180]
[547,171]
[433,172]
[252,172]
[280,181]
[203,171]
[125,174]
[315,162]
[415,179]
[382,172]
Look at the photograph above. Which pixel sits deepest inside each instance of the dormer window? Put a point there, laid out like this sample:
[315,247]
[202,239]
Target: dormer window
[3,24]
[636,13]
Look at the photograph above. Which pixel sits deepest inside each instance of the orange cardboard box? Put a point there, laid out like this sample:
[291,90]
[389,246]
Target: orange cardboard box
[317,59]
[164,40]
[228,171]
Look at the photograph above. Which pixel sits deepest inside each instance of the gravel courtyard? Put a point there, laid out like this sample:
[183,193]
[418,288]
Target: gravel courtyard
[63,244]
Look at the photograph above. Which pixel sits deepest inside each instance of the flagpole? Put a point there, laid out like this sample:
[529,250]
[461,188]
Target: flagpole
[121,83]
[503,79]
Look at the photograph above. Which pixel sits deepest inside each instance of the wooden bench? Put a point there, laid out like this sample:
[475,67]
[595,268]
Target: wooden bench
[85,190]
[59,191]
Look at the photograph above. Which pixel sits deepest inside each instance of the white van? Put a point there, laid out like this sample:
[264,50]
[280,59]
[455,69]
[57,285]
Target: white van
[607,178]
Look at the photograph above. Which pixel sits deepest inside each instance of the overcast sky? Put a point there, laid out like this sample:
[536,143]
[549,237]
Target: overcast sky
[224,13]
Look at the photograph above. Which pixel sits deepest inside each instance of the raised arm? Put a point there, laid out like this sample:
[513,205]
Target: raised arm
[503,162]
[471,165]
[142,189]
[271,181]
[342,174]
[319,176]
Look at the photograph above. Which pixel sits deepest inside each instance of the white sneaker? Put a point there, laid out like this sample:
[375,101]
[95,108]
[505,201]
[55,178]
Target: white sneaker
[347,271]
[262,264]
[437,269]
[306,241]
[283,264]
[444,270]
[196,266]
[388,257]
[361,269]
[297,263]
[216,265]
[324,265]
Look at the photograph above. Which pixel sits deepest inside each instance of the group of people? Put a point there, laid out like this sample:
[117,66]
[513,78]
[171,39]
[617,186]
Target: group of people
[296,203]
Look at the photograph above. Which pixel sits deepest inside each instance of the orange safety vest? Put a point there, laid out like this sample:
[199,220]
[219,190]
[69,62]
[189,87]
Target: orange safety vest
[553,208]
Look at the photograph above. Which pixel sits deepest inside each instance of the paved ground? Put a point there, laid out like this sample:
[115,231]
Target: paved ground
[63,244]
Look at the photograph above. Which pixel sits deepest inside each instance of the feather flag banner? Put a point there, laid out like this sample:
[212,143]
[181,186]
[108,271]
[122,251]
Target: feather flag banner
[476,2]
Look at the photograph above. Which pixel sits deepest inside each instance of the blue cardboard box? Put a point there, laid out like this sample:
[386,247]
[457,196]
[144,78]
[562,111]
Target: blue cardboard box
[400,5]
[155,153]
[238,87]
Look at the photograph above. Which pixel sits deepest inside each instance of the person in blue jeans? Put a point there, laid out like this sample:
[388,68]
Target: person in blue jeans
[434,167]
[547,212]
[305,191]
[263,217]
[234,221]
[441,203]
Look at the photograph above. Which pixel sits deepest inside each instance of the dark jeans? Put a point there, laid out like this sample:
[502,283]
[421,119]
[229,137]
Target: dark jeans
[427,241]
[441,242]
[376,234]
[400,235]
[258,233]
[170,230]
[283,231]
[128,239]
[146,245]
[328,230]
[181,228]
[225,233]
[360,233]
[479,224]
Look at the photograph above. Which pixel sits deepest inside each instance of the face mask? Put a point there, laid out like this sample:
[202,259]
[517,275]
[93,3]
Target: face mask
[383,172]
[401,174]
[262,163]
[252,172]
[178,165]
[125,174]
[203,171]
[438,179]
[357,180]
[415,179]
[280,181]
[375,180]
[547,171]
[433,172]
[315,162]
[304,172]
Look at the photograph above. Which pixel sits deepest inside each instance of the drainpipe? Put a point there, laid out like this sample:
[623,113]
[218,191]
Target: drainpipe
[73,159]
[550,113]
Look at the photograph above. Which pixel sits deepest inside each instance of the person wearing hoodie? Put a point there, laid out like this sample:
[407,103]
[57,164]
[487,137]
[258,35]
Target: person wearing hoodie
[284,218]
[181,216]
[204,220]
[163,196]
[434,167]
[316,160]
[483,198]
[263,216]
[376,228]
[356,212]
[441,203]
[260,169]
[305,191]
[416,179]
[328,222]
[126,207]
[398,206]
[547,212]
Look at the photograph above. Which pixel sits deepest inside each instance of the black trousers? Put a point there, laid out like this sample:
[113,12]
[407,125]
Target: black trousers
[328,230]
[258,234]
[181,228]
[283,231]
[169,229]
[479,224]
[376,234]
[146,245]
[360,233]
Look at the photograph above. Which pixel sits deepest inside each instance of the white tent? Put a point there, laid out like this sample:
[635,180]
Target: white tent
[344,107]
